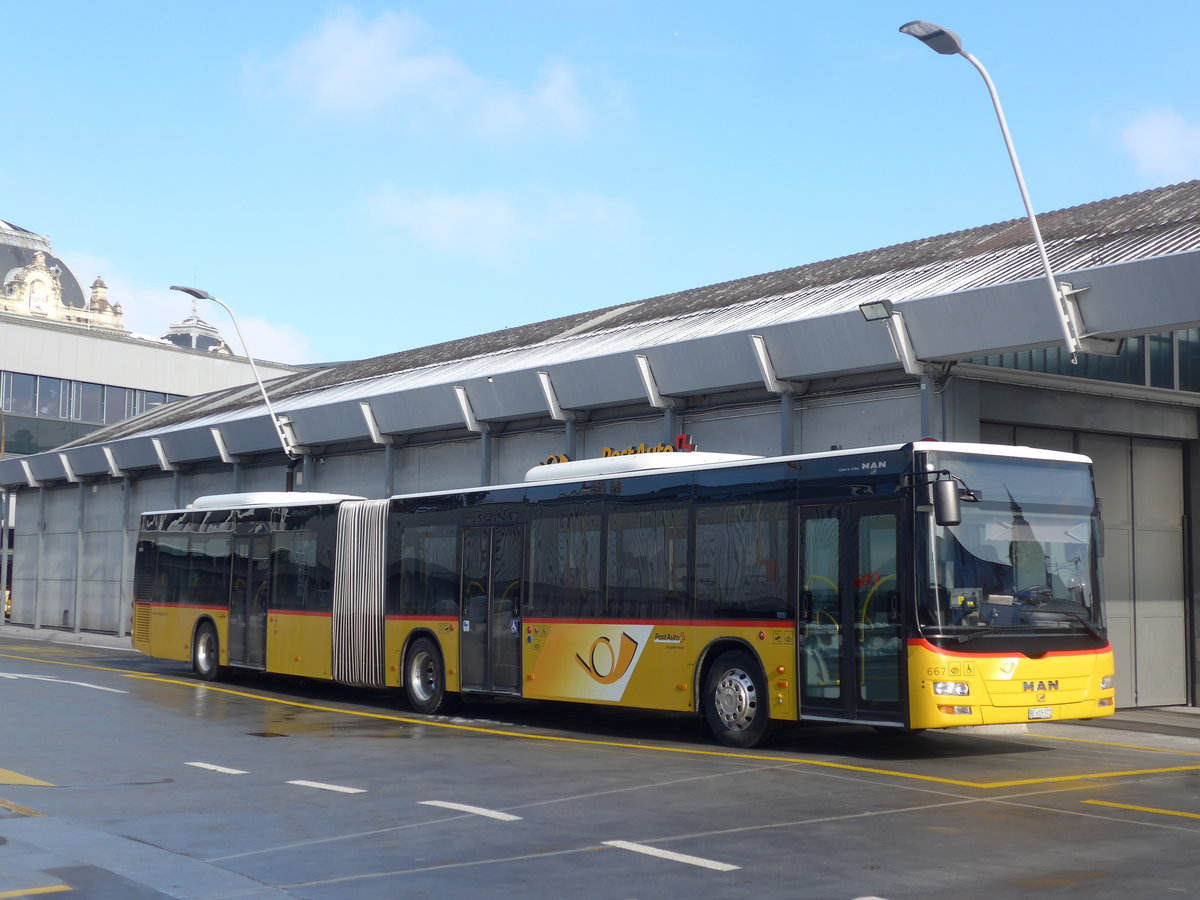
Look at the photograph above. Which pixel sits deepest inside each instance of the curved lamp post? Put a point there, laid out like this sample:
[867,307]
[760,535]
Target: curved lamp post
[948,43]
[288,448]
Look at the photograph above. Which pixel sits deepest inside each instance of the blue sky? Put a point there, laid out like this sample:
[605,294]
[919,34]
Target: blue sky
[357,179]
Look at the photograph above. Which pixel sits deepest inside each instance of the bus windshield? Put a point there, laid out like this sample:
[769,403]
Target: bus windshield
[1021,561]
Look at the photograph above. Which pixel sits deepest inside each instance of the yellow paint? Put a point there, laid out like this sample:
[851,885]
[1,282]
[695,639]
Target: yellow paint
[31,892]
[19,809]
[1000,694]
[7,777]
[1145,809]
[640,665]
[299,644]
[171,628]
[398,633]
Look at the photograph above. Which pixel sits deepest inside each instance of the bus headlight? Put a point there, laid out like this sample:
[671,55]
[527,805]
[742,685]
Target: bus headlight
[1106,683]
[952,688]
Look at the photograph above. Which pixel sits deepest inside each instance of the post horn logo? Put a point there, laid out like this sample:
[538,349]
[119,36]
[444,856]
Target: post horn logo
[612,664]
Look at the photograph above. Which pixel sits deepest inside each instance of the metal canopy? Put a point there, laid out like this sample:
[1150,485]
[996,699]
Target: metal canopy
[1144,296]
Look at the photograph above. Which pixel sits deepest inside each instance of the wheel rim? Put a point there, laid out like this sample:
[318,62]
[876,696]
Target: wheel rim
[422,671]
[206,651]
[735,700]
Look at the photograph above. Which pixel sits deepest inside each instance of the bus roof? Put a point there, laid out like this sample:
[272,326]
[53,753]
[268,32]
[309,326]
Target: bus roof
[631,465]
[253,499]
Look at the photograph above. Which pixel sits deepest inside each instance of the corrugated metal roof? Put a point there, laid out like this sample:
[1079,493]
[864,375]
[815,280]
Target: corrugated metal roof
[1136,226]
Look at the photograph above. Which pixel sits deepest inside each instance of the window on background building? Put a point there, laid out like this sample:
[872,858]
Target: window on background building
[1162,360]
[20,394]
[88,402]
[53,398]
[116,400]
[1189,360]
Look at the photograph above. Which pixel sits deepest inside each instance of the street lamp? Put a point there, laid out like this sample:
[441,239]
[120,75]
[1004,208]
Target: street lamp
[946,42]
[284,441]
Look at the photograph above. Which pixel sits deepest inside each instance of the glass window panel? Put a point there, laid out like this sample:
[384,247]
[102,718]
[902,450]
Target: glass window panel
[741,560]
[425,581]
[820,575]
[114,404]
[1162,361]
[21,394]
[565,563]
[1189,360]
[53,396]
[647,562]
[91,402]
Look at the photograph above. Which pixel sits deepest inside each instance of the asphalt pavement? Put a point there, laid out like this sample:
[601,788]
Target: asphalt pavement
[1181,721]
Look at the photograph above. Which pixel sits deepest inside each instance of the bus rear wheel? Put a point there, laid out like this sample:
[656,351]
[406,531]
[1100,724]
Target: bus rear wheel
[735,701]
[206,653]
[425,677]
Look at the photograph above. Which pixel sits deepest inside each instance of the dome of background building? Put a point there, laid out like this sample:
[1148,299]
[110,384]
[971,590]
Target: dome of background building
[19,248]
[193,333]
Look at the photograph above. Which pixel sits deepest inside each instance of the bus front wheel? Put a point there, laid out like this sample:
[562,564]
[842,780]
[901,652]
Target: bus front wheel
[425,677]
[206,653]
[736,703]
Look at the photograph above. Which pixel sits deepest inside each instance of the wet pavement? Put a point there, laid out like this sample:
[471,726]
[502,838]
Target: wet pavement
[124,777]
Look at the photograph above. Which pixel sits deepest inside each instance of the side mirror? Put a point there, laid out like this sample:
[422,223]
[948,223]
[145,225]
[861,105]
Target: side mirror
[946,507]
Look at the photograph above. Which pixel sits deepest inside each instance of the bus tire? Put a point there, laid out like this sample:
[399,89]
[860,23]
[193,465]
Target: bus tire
[425,676]
[736,703]
[206,653]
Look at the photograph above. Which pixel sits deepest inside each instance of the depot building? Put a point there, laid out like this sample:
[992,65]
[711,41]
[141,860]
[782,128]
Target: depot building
[956,337]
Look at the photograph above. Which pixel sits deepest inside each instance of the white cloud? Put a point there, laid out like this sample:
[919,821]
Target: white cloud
[354,67]
[1164,145]
[148,311]
[501,228]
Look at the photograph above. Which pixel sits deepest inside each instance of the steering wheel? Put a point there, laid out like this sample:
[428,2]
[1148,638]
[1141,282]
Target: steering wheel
[1036,594]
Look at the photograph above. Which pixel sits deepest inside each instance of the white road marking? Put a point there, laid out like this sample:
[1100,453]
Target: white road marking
[221,769]
[85,684]
[674,857]
[328,787]
[476,810]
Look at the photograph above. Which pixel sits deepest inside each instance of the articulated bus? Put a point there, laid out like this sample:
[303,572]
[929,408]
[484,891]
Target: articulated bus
[908,587]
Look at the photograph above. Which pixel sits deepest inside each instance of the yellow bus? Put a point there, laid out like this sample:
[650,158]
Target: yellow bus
[908,587]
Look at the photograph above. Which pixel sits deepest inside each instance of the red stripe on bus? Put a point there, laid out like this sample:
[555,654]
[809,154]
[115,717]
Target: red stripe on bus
[941,651]
[182,606]
[692,623]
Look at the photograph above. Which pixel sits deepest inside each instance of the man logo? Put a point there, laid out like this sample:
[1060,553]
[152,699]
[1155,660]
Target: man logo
[1039,685]
[606,665]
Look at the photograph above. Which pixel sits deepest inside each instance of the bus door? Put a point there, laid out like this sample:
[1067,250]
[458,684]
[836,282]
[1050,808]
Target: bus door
[248,596]
[490,627]
[851,616]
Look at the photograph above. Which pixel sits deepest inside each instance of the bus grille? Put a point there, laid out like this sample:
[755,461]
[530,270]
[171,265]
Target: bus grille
[141,623]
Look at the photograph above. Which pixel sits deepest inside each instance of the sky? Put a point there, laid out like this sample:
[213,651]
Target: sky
[361,178]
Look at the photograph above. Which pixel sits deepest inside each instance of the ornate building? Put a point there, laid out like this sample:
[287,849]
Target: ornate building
[36,283]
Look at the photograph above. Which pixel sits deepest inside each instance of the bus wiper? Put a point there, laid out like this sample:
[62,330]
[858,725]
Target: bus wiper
[978,633]
[1081,617]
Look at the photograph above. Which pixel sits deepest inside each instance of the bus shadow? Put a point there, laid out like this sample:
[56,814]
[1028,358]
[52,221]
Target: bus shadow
[608,724]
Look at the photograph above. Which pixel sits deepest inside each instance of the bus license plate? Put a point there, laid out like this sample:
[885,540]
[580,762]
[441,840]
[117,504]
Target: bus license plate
[1041,712]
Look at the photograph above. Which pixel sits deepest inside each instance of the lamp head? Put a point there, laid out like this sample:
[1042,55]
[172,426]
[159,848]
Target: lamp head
[192,292]
[876,310]
[943,40]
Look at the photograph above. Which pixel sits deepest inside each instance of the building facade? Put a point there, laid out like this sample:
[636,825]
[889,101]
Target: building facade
[68,365]
[776,364]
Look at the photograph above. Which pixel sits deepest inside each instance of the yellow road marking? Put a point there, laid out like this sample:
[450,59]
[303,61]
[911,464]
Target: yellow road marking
[19,809]
[685,751]
[1147,809]
[7,777]
[1055,737]
[29,892]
